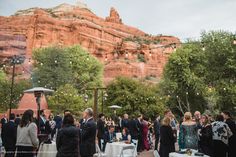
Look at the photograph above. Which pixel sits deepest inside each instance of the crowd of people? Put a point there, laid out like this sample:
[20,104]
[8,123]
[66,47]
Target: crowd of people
[215,137]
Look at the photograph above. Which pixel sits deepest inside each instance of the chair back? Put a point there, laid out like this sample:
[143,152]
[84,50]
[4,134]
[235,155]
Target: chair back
[98,153]
[131,147]
[135,142]
[155,153]
[102,145]
[98,150]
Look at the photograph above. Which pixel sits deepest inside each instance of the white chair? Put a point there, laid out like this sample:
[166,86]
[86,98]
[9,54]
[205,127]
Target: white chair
[135,142]
[99,152]
[102,144]
[126,148]
[155,153]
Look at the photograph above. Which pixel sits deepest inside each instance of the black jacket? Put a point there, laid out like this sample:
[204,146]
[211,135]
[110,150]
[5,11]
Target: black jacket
[108,137]
[17,121]
[133,129]
[124,123]
[88,137]
[100,128]
[9,135]
[68,142]
[232,125]
[167,142]
[157,126]
[58,121]
[42,125]
[206,141]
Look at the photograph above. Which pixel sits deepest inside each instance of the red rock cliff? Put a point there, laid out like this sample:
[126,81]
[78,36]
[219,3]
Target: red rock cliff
[124,50]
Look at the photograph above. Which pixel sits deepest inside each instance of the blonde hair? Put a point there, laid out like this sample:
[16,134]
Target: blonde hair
[166,121]
[188,116]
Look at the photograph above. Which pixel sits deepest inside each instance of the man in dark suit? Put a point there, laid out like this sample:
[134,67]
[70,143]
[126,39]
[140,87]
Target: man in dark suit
[133,129]
[140,128]
[17,120]
[100,128]
[58,120]
[42,122]
[9,136]
[88,134]
[157,126]
[125,122]
[109,136]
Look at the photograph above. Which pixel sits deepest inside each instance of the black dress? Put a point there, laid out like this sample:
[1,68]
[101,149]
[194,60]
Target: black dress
[68,142]
[167,142]
[232,139]
[206,143]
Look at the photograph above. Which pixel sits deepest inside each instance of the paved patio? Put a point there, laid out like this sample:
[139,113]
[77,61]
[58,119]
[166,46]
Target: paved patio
[146,154]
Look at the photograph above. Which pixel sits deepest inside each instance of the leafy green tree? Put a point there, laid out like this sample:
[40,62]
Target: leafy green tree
[183,78]
[56,66]
[200,75]
[51,68]
[5,88]
[220,52]
[134,97]
[87,70]
[66,98]
[2,76]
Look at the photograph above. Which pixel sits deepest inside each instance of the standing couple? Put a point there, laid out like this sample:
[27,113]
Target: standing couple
[77,142]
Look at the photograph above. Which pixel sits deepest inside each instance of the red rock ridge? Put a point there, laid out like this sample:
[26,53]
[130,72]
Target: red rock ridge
[124,50]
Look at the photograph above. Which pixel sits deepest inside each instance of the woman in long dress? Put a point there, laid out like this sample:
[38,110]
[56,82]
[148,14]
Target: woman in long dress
[145,134]
[188,135]
[167,139]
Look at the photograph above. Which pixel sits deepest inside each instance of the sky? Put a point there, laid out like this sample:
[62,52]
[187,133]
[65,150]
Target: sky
[185,19]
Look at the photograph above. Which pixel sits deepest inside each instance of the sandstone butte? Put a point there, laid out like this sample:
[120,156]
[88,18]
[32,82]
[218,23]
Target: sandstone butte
[124,50]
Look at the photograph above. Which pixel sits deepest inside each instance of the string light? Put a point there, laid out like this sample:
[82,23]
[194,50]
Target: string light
[203,48]
[150,54]
[55,61]
[126,55]
[106,57]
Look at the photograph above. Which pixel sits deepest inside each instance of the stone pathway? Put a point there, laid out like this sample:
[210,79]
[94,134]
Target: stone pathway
[146,154]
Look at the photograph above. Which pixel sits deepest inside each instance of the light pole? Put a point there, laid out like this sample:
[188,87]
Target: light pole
[14,60]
